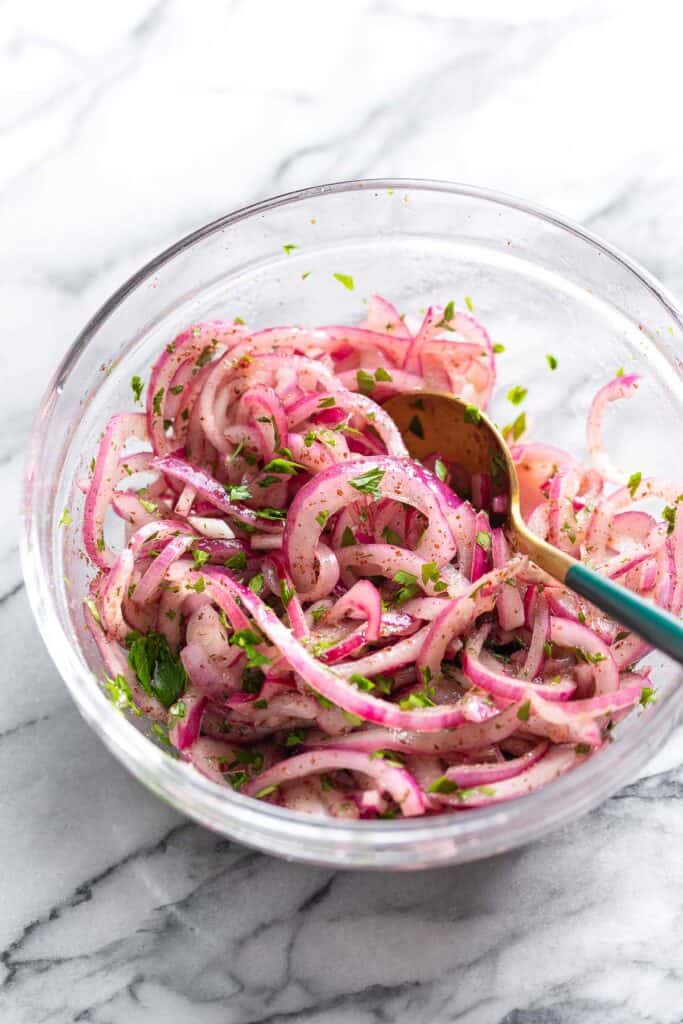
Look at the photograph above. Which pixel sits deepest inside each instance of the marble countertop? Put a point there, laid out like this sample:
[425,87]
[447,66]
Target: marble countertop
[122,127]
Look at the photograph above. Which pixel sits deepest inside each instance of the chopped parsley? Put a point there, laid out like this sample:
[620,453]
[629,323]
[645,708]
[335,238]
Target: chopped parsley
[266,791]
[238,492]
[137,385]
[382,375]
[120,695]
[443,785]
[289,248]
[255,584]
[524,711]
[159,670]
[517,394]
[647,695]
[65,519]
[389,756]
[365,381]
[199,587]
[391,537]
[634,483]
[440,470]
[416,700]
[287,467]
[430,572]
[327,403]
[362,682]
[406,578]
[669,515]
[345,279]
[271,513]
[498,348]
[472,414]
[551,361]
[149,506]
[295,738]
[517,428]
[237,562]
[286,592]
[483,539]
[200,558]
[347,539]
[588,657]
[468,303]
[156,402]
[247,640]
[368,483]
[322,518]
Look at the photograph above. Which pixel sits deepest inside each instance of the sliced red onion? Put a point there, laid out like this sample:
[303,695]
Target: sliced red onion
[400,785]
[361,573]
[343,484]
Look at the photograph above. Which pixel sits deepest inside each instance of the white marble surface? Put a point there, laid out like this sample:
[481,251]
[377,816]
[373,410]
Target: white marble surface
[122,126]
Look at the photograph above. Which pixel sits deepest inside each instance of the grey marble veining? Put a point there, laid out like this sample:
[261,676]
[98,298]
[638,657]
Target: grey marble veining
[122,126]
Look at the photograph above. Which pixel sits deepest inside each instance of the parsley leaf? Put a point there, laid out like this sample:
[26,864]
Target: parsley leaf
[669,515]
[416,700]
[442,785]
[362,682]
[266,791]
[238,492]
[156,402]
[345,279]
[524,711]
[365,381]
[159,670]
[405,578]
[517,394]
[137,386]
[200,558]
[255,584]
[271,513]
[368,483]
[237,562]
[517,428]
[120,695]
[634,483]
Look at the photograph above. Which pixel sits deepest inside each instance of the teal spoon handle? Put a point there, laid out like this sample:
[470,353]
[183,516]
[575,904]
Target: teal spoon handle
[654,625]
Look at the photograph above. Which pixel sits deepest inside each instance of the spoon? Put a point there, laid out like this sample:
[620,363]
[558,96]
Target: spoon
[434,421]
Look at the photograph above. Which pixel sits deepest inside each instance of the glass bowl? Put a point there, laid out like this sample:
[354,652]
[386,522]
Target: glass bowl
[542,286]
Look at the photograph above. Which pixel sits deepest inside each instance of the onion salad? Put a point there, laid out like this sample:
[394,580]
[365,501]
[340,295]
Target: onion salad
[310,617]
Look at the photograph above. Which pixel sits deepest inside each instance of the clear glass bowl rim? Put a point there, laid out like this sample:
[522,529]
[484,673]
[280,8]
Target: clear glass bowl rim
[402,843]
